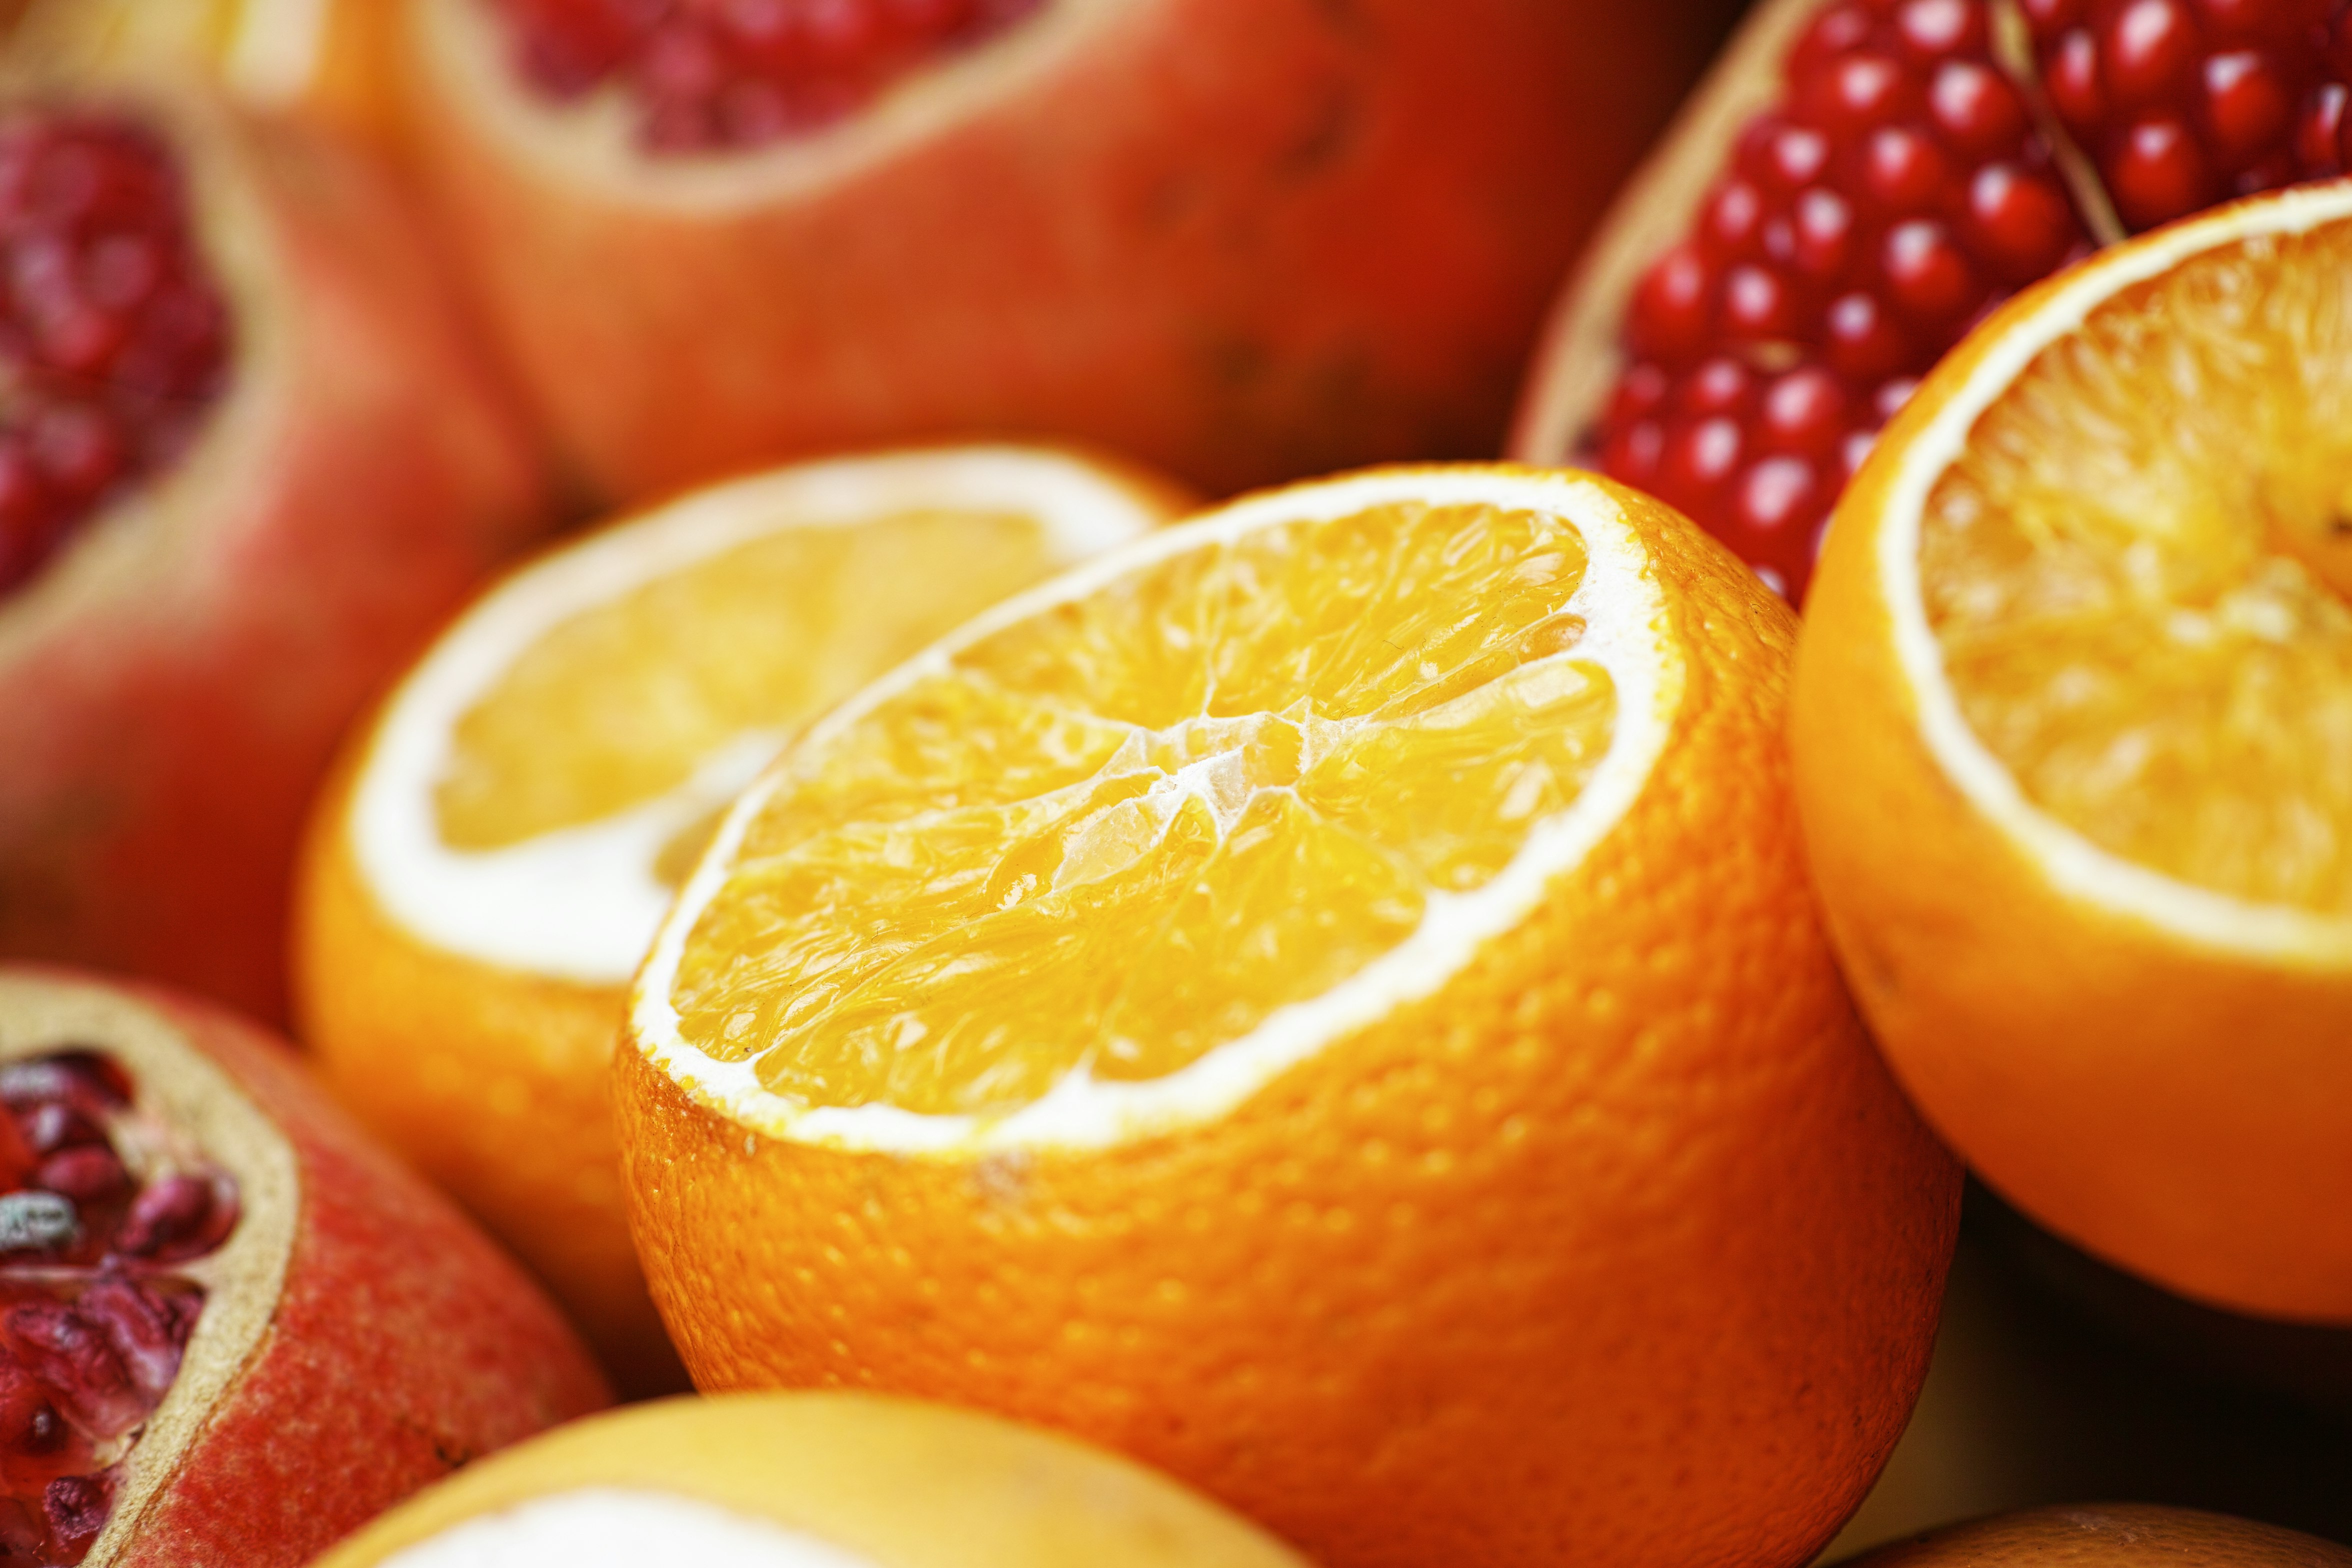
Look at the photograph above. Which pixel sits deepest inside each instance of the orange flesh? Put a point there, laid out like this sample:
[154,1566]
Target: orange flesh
[1125,830]
[621,702]
[2139,573]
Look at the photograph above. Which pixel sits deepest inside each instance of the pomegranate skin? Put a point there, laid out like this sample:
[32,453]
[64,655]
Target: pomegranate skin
[1242,239]
[401,1344]
[175,677]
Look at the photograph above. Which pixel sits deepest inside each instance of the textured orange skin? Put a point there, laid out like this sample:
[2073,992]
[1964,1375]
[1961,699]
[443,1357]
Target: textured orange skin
[404,1344]
[1620,1249]
[1241,239]
[2183,1113]
[170,709]
[2111,1535]
[494,1084]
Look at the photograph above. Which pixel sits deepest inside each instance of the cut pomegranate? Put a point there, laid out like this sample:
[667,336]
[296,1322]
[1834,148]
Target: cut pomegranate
[1859,183]
[2186,102]
[248,1268]
[113,341]
[739,73]
[247,458]
[1899,191]
[1241,240]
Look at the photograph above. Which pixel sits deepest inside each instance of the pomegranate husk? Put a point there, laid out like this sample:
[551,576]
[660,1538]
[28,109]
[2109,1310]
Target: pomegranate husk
[360,1340]
[176,678]
[1243,239]
[1581,354]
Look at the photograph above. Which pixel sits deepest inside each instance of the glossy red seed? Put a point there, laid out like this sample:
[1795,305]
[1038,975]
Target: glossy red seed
[2048,18]
[2072,78]
[1731,223]
[1757,306]
[1936,29]
[1632,453]
[1975,109]
[1822,234]
[1673,308]
[1700,458]
[175,1210]
[2158,172]
[1721,385]
[1778,493]
[1902,169]
[1927,273]
[2019,222]
[1803,411]
[2247,106]
[1855,92]
[1836,31]
[1640,392]
[1863,341]
[2148,51]
[1786,158]
[84,1174]
[2318,131]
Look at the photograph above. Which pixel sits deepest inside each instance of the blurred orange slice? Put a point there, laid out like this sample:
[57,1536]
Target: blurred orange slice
[2074,742]
[492,863]
[1327,1000]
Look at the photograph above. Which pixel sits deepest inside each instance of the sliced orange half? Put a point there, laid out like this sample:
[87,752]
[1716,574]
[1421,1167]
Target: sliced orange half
[1325,999]
[2074,739]
[493,862]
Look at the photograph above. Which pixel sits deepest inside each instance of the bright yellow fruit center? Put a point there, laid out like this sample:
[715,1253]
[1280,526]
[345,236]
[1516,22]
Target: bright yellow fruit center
[1121,832]
[621,703]
[2139,573]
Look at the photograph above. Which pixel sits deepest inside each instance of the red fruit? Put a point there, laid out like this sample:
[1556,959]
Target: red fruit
[1243,239]
[1892,217]
[227,510]
[280,1334]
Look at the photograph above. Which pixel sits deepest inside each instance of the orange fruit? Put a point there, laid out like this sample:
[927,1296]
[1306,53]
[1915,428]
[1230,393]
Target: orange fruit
[489,865]
[2111,1535]
[1325,1000]
[806,1480]
[2073,742]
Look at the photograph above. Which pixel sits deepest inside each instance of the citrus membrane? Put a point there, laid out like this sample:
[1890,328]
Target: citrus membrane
[548,770]
[1125,846]
[2118,561]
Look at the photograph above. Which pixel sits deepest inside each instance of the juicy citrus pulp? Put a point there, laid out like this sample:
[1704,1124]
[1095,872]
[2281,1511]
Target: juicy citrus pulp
[2136,572]
[541,772]
[2132,569]
[1173,801]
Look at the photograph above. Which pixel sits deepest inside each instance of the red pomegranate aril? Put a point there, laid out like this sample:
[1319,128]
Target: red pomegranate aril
[2148,51]
[1852,94]
[1902,169]
[1734,220]
[2159,173]
[2071,76]
[2247,106]
[2319,146]
[1634,451]
[706,75]
[1803,412]
[1721,386]
[1640,392]
[1700,458]
[1835,31]
[1758,306]
[1777,493]
[1975,109]
[92,228]
[2021,222]
[1932,29]
[1927,273]
[1673,308]
[2047,18]
[1783,157]
[91,1335]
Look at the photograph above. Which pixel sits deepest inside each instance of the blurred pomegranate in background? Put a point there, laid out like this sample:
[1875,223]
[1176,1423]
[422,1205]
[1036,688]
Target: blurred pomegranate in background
[247,460]
[1243,239]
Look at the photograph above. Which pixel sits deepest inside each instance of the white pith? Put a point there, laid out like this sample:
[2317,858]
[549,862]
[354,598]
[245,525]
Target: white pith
[1627,635]
[608,1527]
[592,142]
[582,903]
[2074,864]
[273,56]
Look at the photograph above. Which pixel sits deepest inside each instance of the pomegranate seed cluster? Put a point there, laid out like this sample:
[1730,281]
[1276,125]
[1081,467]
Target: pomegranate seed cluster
[1899,191]
[710,74]
[100,1214]
[2184,103]
[113,341]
